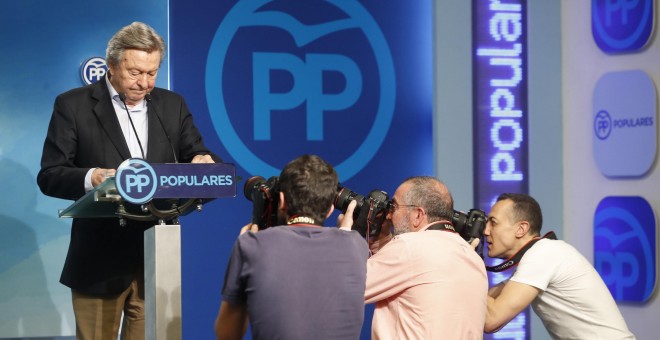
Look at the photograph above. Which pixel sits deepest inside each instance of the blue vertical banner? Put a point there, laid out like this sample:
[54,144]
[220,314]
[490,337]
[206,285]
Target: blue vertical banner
[268,81]
[500,115]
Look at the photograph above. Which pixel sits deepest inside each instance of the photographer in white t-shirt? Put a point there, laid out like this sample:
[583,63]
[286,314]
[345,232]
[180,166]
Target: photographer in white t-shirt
[562,286]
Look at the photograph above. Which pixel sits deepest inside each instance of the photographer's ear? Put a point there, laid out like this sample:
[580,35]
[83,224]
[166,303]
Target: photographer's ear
[418,216]
[332,208]
[282,206]
[522,229]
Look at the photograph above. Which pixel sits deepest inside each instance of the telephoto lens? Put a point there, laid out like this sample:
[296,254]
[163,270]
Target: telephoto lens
[370,212]
[265,196]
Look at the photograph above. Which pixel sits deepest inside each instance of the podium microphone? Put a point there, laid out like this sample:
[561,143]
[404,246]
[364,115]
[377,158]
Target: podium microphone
[169,140]
[122,97]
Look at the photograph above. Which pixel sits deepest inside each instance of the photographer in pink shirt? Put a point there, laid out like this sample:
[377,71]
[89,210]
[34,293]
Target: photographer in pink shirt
[426,280]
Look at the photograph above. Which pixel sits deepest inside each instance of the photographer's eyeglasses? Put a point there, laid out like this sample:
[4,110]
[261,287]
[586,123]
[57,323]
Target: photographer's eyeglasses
[394,206]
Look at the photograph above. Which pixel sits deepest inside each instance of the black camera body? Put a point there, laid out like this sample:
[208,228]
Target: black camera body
[471,225]
[265,197]
[370,211]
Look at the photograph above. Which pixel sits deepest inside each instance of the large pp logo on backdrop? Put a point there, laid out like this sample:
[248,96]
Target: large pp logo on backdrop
[624,124]
[625,247]
[622,25]
[290,77]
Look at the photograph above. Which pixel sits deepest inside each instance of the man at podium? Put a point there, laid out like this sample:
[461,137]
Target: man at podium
[92,130]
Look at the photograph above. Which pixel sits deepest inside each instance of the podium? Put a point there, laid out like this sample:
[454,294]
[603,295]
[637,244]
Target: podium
[160,193]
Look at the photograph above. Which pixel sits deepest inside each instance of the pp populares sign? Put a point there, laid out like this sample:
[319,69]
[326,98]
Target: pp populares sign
[139,182]
[624,123]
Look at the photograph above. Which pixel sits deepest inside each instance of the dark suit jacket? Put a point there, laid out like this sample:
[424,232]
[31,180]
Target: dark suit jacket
[84,133]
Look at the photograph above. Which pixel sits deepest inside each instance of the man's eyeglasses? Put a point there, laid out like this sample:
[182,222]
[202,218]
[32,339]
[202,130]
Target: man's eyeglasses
[394,206]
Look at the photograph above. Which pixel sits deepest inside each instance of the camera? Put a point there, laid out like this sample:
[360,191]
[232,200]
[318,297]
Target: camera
[370,211]
[265,197]
[471,226]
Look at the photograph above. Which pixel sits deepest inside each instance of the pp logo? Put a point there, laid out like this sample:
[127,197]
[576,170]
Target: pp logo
[625,247]
[93,70]
[602,125]
[281,81]
[136,181]
[621,25]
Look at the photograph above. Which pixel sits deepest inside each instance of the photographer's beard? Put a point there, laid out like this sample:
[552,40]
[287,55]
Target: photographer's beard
[402,227]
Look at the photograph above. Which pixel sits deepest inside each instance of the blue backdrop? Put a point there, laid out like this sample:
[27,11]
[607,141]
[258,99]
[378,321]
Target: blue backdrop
[271,80]
[266,82]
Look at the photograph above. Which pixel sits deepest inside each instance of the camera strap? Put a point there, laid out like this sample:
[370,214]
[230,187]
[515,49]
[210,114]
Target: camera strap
[513,260]
[442,225]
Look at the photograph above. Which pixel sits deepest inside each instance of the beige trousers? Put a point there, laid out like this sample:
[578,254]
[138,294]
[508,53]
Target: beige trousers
[98,318]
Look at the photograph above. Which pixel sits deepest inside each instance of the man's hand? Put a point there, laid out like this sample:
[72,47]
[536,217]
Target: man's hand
[99,175]
[249,227]
[345,220]
[475,243]
[202,159]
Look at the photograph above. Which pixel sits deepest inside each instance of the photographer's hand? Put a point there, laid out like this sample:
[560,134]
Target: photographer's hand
[249,227]
[345,220]
[475,243]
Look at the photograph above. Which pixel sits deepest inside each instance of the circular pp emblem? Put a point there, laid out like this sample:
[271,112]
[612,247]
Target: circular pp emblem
[136,181]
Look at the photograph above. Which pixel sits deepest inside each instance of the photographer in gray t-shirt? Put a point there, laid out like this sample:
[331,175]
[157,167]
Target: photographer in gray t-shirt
[298,280]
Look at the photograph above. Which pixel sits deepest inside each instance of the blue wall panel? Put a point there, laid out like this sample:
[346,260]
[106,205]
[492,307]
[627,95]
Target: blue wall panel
[349,81]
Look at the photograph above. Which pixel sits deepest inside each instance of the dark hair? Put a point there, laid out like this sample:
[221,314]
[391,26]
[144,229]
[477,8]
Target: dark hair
[309,185]
[432,195]
[136,36]
[525,208]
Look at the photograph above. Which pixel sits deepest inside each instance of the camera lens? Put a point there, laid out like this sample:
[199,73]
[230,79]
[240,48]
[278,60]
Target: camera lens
[344,198]
[264,195]
[251,185]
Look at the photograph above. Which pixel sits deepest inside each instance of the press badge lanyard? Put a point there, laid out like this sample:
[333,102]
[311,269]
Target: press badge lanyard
[513,260]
